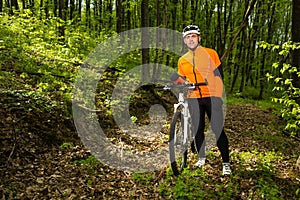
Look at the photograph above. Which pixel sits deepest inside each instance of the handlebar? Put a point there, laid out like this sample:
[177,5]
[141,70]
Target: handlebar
[189,86]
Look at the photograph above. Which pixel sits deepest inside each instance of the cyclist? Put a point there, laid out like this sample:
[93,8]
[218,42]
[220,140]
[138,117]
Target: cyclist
[197,65]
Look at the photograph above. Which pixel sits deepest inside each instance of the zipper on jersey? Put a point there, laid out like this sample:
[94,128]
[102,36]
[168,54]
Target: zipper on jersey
[199,89]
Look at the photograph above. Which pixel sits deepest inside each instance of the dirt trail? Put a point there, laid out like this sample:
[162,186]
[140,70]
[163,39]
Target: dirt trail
[34,165]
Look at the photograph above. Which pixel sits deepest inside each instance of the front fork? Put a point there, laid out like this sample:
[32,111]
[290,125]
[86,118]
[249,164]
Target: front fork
[186,115]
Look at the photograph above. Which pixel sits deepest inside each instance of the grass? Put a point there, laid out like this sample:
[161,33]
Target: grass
[254,177]
[263,104]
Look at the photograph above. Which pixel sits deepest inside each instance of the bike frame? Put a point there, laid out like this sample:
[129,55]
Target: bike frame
[181,109]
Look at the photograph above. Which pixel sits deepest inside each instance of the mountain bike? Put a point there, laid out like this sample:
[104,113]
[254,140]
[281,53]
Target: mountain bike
[181,136]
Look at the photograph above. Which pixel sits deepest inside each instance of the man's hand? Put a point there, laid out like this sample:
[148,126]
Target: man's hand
[177,79]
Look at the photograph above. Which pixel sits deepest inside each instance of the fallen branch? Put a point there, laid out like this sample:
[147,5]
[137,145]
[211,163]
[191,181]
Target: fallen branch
[14,145]
[86,108]
[11,152]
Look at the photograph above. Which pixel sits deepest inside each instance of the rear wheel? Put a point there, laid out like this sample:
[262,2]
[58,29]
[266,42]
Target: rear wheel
[177,149]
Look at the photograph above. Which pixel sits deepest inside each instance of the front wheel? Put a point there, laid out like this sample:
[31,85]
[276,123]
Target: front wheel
[177,147]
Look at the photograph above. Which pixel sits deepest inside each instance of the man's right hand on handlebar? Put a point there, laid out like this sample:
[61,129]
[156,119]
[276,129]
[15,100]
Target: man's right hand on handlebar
[181,80]
[177,79]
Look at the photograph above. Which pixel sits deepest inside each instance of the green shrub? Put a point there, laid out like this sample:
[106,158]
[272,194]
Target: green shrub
[288,92]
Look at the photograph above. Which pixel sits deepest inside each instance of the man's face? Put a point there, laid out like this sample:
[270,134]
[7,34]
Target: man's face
[192,40]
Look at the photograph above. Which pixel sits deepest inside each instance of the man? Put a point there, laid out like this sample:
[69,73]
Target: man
[202,64]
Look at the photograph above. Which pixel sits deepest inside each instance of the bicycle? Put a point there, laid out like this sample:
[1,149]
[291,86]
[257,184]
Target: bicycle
[180,128]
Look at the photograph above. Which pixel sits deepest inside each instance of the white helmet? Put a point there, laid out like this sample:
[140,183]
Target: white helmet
[190,29]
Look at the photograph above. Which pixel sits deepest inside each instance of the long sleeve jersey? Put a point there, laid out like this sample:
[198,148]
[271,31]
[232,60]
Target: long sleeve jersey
[198,66]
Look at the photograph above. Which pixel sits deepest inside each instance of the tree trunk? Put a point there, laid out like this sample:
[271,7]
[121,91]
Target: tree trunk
[128,16]
[88,13]
[243,63]
[174,27]
[262,74]
[55,7]
[16,5]
[65,10]
[100,21]
[253,37]
[145,41]
[193,13]
[236,69]
[165,36]
[41,8]
[183,11]
[13,3]
[31,5]
[23,4]
[72,7]
[219,25]
[109,12]
[79,9]
[242,26]
[157,57]
[61,13]
[120,16]
[227,17]
[47,9]
[296,38]
[270,20]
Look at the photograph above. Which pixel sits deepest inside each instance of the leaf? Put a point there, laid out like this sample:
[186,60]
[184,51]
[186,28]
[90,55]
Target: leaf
[276,80]
[288,81]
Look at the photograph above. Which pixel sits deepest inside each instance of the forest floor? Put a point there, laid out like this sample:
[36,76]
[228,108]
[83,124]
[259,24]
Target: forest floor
[42,157]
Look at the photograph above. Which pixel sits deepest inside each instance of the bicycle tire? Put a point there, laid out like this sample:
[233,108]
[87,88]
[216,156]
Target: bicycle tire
[177,150]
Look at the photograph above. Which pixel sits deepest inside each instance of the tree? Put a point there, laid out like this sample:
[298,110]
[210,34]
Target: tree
[296,38]
[62,16]
[88,13]
[72,8]
[240,29]
[231,27]
[79,9]
[145,40]
[13,3]
[119,16]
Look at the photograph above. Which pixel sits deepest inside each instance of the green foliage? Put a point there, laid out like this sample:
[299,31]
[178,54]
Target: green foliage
[144,178]
[133,119]
[128,61]
[30,101]
[36,61]
[263,163]
[91,160]
[267,188]
[90,164]
[264,104]
[255,168]
[67,145]
[283,81]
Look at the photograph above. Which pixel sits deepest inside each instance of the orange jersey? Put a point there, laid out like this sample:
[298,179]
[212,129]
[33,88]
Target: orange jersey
[199,65]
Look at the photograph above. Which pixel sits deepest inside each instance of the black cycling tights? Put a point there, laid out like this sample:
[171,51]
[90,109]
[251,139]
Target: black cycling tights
[212,106]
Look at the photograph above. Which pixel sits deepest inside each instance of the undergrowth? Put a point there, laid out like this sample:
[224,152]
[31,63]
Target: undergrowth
[254,177]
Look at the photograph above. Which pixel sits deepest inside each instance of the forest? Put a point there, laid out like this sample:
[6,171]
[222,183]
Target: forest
[67,65]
